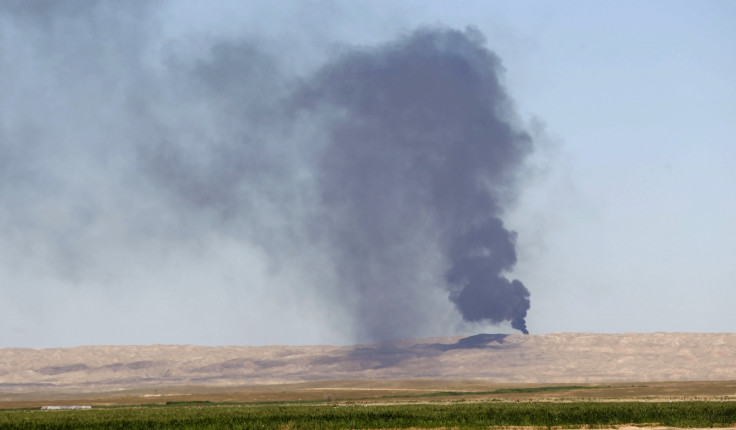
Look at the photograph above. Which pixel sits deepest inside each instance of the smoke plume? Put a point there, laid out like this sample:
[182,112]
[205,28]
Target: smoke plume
[423,146]
[370,181]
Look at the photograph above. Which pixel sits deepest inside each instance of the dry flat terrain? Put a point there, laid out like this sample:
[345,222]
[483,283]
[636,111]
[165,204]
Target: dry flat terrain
[411,391]
[617,366]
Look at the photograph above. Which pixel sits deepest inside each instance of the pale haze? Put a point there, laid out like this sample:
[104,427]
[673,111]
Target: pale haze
[223,173]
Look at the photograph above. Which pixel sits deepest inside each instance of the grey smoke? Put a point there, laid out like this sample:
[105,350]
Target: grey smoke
[381,175]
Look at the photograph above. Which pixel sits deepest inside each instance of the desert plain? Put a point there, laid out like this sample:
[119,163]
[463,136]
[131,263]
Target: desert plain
[552,367]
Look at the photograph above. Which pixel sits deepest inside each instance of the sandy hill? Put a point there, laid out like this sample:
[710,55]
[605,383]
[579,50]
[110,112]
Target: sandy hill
[558,357]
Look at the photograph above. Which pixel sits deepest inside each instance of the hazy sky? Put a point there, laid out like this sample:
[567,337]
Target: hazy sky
[154,188]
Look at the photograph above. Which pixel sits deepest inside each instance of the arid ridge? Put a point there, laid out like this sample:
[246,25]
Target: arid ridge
[494,358]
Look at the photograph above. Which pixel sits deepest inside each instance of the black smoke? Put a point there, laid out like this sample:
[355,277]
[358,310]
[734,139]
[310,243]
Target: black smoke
[424,145]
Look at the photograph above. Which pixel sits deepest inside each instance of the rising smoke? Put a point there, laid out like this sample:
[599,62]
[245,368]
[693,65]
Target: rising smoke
[381,175]
[423,145]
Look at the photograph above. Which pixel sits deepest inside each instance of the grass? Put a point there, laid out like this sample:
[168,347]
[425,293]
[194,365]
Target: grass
[499,391]
[545,389]
[457,415]
[508,391]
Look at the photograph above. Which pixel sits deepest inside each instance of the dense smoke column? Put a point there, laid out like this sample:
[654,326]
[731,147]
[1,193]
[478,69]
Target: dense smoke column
[477,286]
[422,149]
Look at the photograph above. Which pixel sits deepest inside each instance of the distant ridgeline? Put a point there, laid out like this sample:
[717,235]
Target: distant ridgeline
[550,358]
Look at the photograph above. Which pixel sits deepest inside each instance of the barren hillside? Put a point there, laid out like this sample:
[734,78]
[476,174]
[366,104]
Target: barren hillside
[559,357]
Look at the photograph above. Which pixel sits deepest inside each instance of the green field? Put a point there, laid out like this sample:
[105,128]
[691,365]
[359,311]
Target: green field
[454,415]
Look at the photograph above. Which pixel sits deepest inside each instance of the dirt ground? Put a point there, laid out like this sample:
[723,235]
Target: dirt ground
[388,391]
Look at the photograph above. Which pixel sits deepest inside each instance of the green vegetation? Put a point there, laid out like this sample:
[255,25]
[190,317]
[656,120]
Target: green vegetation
[460,415]
[543,389]
[499,391]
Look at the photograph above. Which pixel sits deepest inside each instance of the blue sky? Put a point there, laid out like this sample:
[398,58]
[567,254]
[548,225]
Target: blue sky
[640,100]
[626,216]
